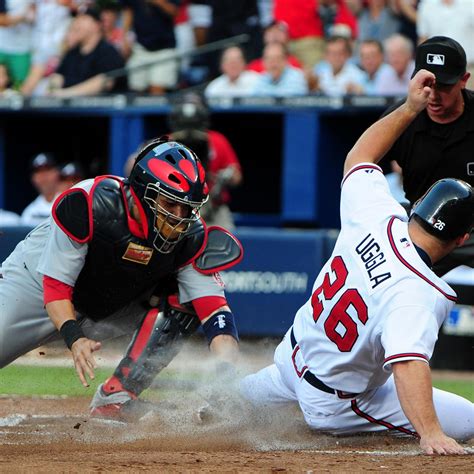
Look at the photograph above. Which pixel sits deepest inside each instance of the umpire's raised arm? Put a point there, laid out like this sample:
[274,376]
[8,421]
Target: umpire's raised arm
[379,138]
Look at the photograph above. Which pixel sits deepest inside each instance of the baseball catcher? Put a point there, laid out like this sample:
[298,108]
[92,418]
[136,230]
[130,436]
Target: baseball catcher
[122,256]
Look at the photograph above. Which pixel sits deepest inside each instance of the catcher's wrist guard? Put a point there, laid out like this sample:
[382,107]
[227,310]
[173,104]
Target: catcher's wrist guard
[71,332]
[221,323]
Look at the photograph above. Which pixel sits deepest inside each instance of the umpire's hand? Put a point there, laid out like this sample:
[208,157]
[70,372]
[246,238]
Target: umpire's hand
[84,361]
[419,90]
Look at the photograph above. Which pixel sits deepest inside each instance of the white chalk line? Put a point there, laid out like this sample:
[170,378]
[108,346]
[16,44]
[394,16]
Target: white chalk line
[18,418]
[376,452]
[12,420]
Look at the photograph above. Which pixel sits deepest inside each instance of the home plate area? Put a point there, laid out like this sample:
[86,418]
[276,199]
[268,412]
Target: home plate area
[56,435]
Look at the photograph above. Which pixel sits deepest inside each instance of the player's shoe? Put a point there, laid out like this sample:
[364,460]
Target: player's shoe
[118,406]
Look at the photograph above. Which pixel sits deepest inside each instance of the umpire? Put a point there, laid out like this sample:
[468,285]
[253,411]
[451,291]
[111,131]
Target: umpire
[439,143]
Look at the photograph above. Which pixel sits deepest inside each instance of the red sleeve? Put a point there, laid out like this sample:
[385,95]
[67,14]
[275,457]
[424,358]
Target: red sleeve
[54,290]
[256,65]
[293,61]
[207,305]
[224,154]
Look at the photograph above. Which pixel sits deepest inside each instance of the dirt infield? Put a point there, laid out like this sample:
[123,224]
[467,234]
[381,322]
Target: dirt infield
[58,436]
[55,434]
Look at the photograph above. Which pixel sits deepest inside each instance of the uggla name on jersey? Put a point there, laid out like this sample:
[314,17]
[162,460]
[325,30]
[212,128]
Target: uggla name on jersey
[372,258]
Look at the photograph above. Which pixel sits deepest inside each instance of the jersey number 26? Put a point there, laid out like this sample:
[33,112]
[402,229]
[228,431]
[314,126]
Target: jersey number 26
[346,334]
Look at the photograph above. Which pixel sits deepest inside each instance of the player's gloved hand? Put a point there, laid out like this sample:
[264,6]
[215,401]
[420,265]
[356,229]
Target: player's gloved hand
[419,90]
[84,361]
[440,444]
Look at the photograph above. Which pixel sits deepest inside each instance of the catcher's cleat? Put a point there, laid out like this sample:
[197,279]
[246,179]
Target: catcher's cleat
[128,412]
[119,406]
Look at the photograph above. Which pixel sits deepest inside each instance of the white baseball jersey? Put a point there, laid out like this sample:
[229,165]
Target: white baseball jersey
[375,301]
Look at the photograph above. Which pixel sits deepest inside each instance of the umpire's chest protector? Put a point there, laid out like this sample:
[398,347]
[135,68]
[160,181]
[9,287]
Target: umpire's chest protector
[120,266]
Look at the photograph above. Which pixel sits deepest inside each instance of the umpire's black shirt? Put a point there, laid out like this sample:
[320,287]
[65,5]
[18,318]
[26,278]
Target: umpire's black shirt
[428,151]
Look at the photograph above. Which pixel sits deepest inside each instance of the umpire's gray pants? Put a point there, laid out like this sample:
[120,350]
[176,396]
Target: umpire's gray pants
[25,325]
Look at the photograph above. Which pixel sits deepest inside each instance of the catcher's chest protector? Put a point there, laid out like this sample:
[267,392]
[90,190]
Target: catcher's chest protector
[119,266]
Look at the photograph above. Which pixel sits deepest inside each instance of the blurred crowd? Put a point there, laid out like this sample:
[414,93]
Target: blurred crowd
[68,48]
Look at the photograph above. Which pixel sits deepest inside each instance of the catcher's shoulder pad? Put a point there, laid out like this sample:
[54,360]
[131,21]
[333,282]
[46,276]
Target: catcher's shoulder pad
[72,213]
[223,250]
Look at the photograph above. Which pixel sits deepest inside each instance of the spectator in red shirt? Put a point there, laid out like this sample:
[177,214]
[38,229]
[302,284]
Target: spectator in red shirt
[275,32]
[305,29]
[188,121]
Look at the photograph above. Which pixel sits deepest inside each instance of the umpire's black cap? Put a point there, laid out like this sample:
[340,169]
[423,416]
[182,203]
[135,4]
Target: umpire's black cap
[447,209]
[442,56]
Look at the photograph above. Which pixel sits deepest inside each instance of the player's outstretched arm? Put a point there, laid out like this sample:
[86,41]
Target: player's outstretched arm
[224,345]
[63,316]
[415,392]
[380,137]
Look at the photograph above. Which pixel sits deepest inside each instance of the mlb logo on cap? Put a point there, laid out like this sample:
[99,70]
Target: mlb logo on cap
[435,59]
[442,56]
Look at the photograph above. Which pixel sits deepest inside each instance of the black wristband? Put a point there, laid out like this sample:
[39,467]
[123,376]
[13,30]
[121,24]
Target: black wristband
[71,332]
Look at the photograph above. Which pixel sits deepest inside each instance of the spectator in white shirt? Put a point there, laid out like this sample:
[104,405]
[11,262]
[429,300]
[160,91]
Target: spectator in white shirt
[45,179]
[452,18]
[235,81]
[373,66]
[336,75]
[280,79]
[399,53]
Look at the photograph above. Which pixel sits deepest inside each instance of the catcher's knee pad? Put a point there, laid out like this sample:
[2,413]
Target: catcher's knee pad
[154,345]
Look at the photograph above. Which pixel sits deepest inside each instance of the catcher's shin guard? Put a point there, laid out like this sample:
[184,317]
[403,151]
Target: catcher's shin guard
[154,345]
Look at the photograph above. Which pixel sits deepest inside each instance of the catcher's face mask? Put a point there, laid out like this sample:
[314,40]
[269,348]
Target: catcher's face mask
[173,217]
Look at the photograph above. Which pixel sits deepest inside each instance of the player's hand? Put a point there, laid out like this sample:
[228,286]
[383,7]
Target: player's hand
[84,361]
[440,444]
[419,90]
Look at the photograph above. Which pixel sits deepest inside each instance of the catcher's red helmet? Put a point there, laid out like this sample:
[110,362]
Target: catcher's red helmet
[168,170]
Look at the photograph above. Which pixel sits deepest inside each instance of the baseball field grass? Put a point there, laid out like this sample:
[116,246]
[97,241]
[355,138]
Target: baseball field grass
[62,381]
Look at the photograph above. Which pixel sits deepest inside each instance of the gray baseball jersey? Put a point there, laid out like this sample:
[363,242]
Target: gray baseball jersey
[47,250]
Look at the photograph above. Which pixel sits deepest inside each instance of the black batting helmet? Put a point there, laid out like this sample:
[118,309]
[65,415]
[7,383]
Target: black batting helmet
[447,209]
